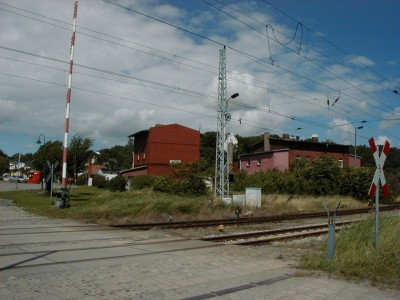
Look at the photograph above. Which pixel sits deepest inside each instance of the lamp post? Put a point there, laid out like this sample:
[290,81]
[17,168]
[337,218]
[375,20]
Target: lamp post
[44,139]
[355,143]
[229,150]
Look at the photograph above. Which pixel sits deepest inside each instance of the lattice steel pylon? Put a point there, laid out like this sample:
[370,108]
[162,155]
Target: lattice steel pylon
[221,162]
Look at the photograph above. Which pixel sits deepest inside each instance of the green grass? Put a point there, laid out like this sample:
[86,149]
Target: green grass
[90,204]
[356,256]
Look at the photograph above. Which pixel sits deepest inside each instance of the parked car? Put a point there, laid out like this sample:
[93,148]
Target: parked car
[18,179]
[22,179]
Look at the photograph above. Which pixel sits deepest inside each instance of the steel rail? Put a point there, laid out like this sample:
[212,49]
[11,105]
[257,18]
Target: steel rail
[252,220]
[285,237]
[255,234]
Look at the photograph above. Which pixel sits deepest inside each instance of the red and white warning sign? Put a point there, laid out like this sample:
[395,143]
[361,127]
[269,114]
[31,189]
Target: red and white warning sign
[379,175]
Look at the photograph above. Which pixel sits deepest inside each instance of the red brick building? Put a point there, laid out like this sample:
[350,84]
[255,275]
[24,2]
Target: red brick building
[279,153]
[155,150]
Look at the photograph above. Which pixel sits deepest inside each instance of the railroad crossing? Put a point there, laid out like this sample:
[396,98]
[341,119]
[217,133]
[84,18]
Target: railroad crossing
[378,176]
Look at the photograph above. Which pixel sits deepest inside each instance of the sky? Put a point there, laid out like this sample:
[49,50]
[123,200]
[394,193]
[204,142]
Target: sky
[305,68]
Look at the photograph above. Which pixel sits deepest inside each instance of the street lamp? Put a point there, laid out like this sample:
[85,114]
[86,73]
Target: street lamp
[355,143]
[44,139]
[234,96]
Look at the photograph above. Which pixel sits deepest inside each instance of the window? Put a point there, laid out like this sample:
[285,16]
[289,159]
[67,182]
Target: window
[341,163]
[258,161]
[298,157]
[248,162]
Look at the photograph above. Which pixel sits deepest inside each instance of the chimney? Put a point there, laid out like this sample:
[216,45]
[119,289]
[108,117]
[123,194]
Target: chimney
[285,136]
[314,139]
[267,145]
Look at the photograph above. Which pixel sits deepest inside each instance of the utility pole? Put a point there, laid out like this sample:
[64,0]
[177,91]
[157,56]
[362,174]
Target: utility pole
[221,149]
[355,143]
[221,166]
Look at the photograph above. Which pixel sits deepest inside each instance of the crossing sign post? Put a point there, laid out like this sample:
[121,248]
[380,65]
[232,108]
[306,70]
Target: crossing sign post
[50,177]
[378,176]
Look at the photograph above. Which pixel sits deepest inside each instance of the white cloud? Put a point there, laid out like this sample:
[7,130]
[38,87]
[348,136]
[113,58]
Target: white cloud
[361,61]
[381,140]
[168,76]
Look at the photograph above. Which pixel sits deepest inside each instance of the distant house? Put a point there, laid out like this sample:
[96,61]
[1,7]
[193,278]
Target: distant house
[157,149]
[278,153]
[107,173]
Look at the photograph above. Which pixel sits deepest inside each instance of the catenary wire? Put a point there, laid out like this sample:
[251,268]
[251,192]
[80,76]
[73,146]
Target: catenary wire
[117,43]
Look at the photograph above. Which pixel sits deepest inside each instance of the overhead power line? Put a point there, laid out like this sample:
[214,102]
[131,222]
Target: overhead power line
[377,107]
[155,83]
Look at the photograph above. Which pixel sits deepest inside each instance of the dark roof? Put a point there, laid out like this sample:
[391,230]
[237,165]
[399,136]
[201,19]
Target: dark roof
[304,145]
[133,169]
[146,131]
[264,152]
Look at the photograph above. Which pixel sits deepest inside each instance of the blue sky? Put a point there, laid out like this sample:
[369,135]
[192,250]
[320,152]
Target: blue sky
[140,63]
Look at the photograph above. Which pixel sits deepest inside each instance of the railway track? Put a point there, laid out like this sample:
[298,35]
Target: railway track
[250,220]
[281,234]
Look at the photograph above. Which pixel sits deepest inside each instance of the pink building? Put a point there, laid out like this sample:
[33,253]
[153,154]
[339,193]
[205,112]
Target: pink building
[263,161]
[278,153]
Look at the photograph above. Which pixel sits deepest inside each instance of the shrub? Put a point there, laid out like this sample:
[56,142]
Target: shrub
[323,176]
[81,180]
[142,181]
[163,184]
[356,182]
[117,184]
[192,185]
[99,181]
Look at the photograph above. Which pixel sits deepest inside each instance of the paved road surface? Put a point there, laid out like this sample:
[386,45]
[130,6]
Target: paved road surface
[13,186]
[44,258]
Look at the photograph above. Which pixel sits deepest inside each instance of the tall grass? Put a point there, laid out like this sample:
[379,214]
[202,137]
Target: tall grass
[91,204]
[356,256]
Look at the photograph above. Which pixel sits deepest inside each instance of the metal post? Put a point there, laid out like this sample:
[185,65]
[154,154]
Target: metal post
[51,183]
[220,156]
[355,143]
[331,231]
[355,146]
[377,216]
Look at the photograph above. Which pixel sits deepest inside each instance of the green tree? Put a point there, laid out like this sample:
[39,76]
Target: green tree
[51,152]
[207,152]
[4,163]
[116,158]
[78,154]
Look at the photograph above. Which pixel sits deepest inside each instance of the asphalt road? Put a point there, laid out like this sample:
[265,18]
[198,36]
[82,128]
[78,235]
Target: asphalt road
[13,186]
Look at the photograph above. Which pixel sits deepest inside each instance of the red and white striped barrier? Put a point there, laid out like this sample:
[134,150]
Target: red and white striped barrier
[379,175]
[71,64]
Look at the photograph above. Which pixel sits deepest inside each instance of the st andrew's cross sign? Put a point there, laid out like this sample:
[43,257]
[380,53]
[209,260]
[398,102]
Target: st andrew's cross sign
[379,175]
